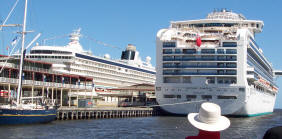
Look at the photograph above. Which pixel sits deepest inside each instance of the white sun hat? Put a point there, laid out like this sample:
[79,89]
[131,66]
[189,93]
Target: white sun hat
[209,118]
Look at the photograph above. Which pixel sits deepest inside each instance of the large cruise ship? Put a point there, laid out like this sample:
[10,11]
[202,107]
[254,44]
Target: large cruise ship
[106,72]
[215,59]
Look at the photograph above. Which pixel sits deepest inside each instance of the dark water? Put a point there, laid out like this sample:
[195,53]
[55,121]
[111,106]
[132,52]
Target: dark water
[138,128]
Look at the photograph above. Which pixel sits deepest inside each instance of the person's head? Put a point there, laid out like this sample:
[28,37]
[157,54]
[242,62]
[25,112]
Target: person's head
[209,118]
[273,133]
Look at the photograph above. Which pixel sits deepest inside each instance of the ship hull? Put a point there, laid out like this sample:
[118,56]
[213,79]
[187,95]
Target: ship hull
[13,116]
[251,103]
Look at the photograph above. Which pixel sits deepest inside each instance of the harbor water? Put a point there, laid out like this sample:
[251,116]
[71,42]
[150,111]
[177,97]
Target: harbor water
[167,127]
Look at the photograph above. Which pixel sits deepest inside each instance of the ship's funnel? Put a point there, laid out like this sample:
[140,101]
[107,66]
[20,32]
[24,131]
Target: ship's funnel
[129,53]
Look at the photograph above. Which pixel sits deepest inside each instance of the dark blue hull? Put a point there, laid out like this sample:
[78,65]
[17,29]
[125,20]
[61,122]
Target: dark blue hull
[12,116]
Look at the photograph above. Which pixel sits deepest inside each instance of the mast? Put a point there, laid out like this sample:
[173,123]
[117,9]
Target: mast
[19,91]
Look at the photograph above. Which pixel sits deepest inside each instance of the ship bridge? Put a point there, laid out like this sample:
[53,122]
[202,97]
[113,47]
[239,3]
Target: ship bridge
[278,72]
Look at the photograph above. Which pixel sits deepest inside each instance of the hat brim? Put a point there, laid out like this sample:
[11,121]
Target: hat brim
[222,123]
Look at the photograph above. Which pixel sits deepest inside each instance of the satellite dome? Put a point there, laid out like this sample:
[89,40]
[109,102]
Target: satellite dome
[107,56]
[148,59]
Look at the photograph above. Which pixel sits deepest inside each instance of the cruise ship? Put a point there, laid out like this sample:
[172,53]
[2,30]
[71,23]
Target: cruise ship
[215,59]
[106,72]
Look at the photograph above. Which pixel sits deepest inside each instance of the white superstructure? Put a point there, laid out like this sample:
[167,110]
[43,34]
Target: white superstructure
[214,59]
[106,72]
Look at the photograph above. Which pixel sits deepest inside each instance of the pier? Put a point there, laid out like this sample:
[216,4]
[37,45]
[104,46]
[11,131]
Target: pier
[73,113]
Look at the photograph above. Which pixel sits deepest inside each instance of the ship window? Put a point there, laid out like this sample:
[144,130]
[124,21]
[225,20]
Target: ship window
[220,72]
[242,89]
[208,51]
[220,65]
[167,51]
[177,51]
[169,44]
[171,79]
[220,81]
[206,97]
[189,51]
[229,44]
[231,51]
[226,97]
[220,51]
[190,97]
[169,96]
[186,79]
[231,65]
[210,80]
[220,58]
[253,24]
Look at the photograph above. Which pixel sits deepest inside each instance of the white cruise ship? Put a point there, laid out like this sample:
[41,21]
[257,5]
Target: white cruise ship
[106,72]
[214,59]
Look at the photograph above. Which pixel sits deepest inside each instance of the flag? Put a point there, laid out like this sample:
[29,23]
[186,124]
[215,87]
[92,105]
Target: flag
[14,41]
[198,41]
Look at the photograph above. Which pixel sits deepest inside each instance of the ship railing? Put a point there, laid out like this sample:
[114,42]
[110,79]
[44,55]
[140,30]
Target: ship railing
[27,82]
[14,81]
[198,59]
[46,84]
[39,83]
[2,79]
[88,87]
[195,73]
[31,68]
[184,66]
[74,86]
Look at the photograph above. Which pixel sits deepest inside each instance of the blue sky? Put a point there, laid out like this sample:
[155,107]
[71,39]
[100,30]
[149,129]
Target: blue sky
[120,22]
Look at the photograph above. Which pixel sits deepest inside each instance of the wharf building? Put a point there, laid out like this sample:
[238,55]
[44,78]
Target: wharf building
[39,80]
[129,96]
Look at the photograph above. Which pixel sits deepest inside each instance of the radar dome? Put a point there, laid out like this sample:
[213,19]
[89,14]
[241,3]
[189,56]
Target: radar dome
[148,59]
[107,56]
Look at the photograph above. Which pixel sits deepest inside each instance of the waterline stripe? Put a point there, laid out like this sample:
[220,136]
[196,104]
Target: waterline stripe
[259,114]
